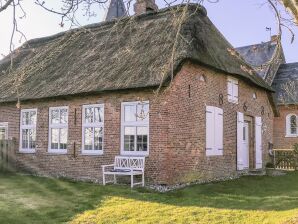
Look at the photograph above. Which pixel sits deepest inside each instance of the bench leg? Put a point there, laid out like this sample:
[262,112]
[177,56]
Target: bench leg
[103,179]
[115,180]
[143,180]
[131,181]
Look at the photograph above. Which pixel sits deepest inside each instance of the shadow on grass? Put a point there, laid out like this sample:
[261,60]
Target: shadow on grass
[29,199]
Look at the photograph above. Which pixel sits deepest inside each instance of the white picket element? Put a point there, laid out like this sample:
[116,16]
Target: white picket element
[240,148]
[125,165]
[258,143]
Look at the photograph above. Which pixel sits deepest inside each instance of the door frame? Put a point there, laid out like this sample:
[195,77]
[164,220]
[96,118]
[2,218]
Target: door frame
[251,136]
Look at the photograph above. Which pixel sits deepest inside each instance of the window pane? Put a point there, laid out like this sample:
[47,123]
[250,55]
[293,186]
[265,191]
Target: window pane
[129,138]
[143,112]
[89,115]
[98,114]
[32,120]
[98,136]
[64,116]
[25,118]
[130,113]
[25,138]
[63,138]
[142,138]
[88,138]
[32,138]
[54,138]
[293,124]
[55,116]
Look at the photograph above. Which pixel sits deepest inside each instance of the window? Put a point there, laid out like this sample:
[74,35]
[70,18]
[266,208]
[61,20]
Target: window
[28,130]
[232,90]
[135,128]
[214,131]
[58,129]
[92,129]
[3,130]
[291,125]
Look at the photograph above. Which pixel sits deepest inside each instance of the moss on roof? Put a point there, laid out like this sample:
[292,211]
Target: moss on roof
[134,52]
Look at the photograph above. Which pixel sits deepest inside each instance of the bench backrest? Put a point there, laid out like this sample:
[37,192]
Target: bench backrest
[126,162]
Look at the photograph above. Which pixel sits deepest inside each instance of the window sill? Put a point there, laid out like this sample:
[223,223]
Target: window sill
[24,151]
[84,153]
[58,152]
[145,154]
[291,136]
[234,102]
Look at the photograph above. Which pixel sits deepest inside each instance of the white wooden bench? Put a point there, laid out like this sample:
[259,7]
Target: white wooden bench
[125,165]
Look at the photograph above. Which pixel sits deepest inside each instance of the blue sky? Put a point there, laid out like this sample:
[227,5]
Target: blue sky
[242,22]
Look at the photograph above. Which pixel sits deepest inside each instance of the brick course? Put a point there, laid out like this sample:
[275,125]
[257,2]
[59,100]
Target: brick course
[177,129]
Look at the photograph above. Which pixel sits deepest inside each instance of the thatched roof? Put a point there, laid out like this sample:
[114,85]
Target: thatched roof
[134,52]
[286,84]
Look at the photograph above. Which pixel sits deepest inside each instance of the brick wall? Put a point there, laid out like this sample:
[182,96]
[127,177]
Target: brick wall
[279,133]
[177,130]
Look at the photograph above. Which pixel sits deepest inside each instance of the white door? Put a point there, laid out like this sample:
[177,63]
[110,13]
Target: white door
[246,145]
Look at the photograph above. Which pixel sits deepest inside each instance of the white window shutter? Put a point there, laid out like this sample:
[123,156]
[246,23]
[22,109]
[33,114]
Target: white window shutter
[209,130]
[230,90]
[235,91]
[258,145]
[218,131]
[240,153]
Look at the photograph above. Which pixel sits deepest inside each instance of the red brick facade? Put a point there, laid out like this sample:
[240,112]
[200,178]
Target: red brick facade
[177,129]
[280,138]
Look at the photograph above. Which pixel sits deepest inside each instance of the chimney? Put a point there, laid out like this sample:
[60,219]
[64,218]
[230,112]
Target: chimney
[143,6]
[274,38]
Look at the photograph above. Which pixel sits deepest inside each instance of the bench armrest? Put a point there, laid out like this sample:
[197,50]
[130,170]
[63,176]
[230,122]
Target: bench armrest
[104,166]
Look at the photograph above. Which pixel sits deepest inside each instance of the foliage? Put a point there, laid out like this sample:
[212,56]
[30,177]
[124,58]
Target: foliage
[28,199]
[269,165]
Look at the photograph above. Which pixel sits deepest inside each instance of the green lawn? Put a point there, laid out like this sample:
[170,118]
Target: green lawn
[27,199]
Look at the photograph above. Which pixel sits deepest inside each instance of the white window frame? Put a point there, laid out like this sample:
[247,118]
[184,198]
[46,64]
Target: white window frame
[23,126]
[288,126]
[234,97]
[144,123]
[5,126]
[92,125]
[57,151]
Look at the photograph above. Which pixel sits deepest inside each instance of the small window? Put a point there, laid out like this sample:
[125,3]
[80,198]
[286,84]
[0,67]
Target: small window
[3,131]
[135,128]
[232,90]
[93,128]
[28,130]
[291,125]
[58,129]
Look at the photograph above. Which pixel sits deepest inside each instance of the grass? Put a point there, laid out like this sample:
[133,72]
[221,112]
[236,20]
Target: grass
[257,200]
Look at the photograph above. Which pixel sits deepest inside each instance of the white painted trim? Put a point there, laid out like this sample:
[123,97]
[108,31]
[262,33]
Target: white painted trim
[288,126]
[234,98]
[21,149]
[5,126]
[57,151]
[93,125]
[134,124]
